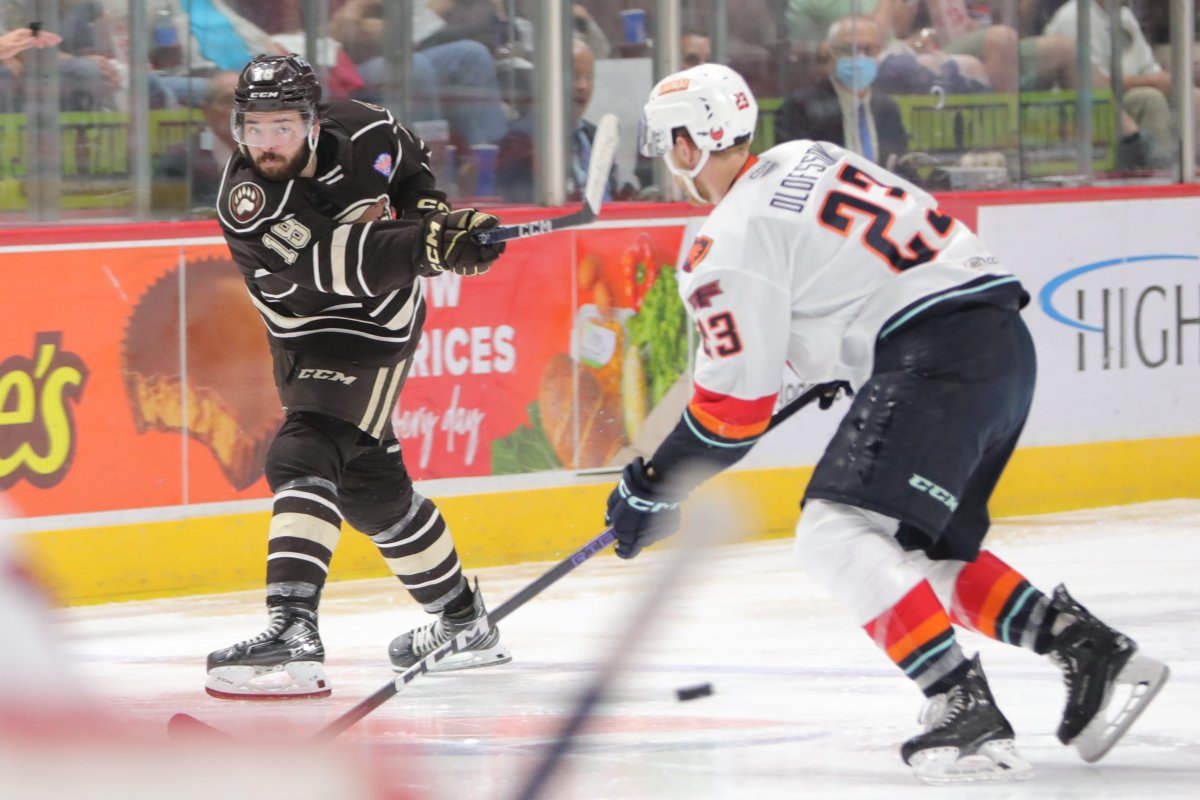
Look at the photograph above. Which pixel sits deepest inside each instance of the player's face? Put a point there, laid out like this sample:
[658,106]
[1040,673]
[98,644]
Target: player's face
[276,143]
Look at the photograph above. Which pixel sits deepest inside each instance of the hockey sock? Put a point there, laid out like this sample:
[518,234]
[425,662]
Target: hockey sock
[994,599]
[304,531]
[420,552]
[917,636]
[462,607]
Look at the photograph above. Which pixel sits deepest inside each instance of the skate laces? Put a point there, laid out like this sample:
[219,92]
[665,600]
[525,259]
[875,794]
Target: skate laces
[275,625]
[429,637]
[940,710]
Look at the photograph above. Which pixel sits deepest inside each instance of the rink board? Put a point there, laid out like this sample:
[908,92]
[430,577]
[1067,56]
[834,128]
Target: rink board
[120,495]
[207,554]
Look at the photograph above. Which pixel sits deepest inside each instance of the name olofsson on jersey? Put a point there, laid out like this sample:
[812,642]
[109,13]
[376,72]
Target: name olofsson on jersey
[796,186]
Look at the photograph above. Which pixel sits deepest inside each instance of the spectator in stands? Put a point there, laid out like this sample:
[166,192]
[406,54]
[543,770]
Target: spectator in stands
[842,108]
[695,48]
[203,154]
[516,15]
[191,39]
[13,44]
[809,21]
[283,21]
[916,65]
[754,32]
[1146,86]
[587,29]
[516,161]
[22,39]
[453,78]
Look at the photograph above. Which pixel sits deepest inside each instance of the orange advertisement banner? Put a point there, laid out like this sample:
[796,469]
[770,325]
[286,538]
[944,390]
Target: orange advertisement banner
[139,376]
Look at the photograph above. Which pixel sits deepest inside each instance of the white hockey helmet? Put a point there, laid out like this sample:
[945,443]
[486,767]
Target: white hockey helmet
[710,101]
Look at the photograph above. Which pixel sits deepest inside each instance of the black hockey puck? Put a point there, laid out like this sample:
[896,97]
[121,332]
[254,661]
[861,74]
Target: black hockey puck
[692,692]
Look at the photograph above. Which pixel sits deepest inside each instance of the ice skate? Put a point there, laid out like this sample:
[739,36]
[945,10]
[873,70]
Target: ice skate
[1099,663]
[483,649]
[966,738]
[284,662]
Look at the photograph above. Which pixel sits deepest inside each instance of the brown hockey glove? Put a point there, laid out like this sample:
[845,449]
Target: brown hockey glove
[447,243]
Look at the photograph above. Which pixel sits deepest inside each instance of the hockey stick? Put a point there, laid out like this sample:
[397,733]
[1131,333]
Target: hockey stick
[604,150]
[183,724]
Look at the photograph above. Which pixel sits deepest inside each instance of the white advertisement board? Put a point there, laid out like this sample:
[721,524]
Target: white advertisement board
[1115,314]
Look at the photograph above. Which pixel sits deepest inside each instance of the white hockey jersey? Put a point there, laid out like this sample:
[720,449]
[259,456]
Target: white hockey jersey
[813,255]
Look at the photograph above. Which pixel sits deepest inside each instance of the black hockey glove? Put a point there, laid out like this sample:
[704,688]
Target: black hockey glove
[641,511]
[447,243]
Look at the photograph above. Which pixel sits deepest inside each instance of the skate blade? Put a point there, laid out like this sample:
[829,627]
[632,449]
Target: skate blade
[995,762]
[1141,679]
[298,680]
[469,659]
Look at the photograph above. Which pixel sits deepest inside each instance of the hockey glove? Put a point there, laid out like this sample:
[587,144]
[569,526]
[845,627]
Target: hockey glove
[447,243]
[641,510]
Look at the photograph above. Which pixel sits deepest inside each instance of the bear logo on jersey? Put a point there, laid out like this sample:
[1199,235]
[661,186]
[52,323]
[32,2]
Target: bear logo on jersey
[246,201]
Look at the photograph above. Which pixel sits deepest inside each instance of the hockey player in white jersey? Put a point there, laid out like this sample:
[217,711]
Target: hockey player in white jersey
[816,258]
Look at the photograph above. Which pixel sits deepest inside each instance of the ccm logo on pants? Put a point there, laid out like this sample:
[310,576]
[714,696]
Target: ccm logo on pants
[934,491]
[326,375]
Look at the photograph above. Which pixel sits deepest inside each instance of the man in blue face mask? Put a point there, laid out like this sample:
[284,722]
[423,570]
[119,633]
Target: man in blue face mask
[842,107]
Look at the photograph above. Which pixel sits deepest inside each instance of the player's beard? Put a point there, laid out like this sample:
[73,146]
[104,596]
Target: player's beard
[275,167]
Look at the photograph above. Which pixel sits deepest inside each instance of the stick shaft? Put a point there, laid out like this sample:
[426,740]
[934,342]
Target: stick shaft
[386,692]
[537,227]
[526,594]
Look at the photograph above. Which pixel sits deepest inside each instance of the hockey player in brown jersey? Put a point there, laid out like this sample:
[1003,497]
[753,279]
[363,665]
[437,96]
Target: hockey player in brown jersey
[333,215]
[816,259]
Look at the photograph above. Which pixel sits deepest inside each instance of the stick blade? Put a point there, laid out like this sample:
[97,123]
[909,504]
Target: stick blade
[604,151]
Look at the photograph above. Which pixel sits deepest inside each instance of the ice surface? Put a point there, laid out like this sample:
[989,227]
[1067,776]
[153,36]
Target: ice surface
[803,705]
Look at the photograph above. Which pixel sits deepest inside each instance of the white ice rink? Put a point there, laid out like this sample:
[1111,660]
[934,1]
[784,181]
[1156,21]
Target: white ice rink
[804,704]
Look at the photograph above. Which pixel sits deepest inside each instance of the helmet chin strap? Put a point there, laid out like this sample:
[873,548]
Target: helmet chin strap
[688,177]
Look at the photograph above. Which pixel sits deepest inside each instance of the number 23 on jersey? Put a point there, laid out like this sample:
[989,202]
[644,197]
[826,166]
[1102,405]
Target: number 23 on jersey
[877,209]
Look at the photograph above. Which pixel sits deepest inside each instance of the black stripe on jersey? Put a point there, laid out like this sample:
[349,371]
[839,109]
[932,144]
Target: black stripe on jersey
[282,323]
[337,261]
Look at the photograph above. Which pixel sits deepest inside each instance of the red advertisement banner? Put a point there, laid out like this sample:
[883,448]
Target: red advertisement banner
[139,376]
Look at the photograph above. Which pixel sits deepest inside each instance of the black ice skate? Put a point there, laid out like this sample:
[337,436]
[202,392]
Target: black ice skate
[966,738]
[480,650]
[283,662]
[1096,662]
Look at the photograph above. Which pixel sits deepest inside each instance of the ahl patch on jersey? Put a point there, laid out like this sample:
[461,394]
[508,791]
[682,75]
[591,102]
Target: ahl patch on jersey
[383,164]
[246,201]
[699,250]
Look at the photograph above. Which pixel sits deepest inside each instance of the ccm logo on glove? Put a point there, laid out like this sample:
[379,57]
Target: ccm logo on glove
[448,243]
[641,510]
[640,504]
